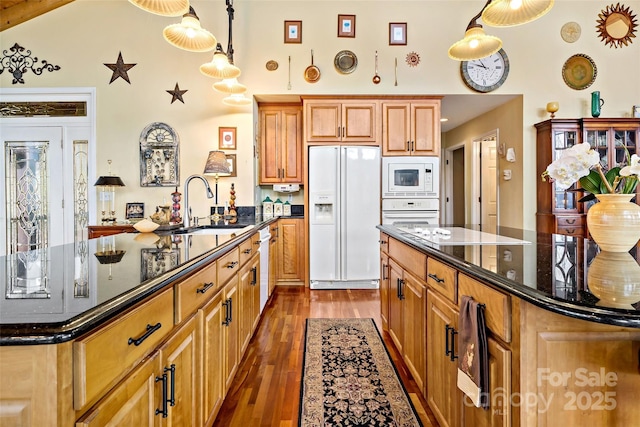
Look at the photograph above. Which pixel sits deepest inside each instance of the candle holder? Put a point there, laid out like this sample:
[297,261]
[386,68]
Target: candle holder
[108,184]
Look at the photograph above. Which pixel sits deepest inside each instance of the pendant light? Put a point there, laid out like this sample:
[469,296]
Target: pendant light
[163,7]
[189,35]
[509,13]
[219,67]
[236,100]
[475,44]
[230,86]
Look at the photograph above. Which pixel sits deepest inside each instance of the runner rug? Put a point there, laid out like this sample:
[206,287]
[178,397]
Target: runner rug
[348,378]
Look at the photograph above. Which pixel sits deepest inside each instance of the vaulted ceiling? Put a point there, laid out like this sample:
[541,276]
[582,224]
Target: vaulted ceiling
[15,12]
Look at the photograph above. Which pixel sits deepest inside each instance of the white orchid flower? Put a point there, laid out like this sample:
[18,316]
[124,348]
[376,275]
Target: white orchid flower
[583,154]
[633,168]
[566,170]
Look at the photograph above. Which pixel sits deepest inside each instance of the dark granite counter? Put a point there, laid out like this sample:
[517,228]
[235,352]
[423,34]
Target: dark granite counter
[59,293]
[563,274]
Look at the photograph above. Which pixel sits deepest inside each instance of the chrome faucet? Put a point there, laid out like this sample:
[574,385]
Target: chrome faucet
[187,209]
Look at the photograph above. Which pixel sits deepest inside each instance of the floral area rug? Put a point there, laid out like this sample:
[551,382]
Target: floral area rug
[348,378]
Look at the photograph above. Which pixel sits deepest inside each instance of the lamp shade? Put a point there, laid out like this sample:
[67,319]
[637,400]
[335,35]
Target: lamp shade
[109,181]
[163,7]
[189,35]
[475,45]
[508,13]
[217,164]
[236,100]
[220,67]
[230,86]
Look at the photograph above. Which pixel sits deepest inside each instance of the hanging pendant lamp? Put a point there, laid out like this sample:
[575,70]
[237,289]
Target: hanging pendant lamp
[189,35]
[230,86]
[509,13]
[236,100]
[475,44]
[219,67]
[163,7]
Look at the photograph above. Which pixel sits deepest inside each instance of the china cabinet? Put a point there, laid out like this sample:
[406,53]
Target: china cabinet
[558,211]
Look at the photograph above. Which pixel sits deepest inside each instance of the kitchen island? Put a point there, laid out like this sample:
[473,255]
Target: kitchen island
[562,318]
[129,328]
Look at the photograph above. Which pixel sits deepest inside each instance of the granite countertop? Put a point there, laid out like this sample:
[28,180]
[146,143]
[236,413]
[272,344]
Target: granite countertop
[563,274]
[70,289]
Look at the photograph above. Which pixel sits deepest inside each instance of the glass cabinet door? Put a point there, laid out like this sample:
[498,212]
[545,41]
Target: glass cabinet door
[564,200]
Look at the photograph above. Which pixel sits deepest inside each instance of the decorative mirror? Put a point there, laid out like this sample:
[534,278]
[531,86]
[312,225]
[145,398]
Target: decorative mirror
[159,156]
[617,25]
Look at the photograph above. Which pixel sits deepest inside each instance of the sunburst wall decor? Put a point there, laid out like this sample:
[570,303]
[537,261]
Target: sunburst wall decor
[617,25]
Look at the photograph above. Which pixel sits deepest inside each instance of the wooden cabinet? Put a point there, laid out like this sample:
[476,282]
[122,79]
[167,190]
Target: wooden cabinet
[281,144]
[558,211]
[290,250]
[341,120]
[180,373]
[212,316]
[273,256]
[411,128]
[250,300]
[134,402]
[443,395]
[384,284]
[231,332]
[396,324]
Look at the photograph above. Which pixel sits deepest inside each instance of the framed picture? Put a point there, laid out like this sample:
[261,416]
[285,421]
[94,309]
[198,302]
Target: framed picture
[134,211]
[397,33]
[293,31]
[227,138]
[231,159]
[346,25]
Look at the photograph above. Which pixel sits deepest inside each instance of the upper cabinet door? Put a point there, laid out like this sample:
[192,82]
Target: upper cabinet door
[341,121]
[411,128]
[281,144]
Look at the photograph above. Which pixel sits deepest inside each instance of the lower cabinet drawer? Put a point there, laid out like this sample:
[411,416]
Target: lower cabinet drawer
[104,357]
[193,292]
[411,259]
[228,265]
[442,278]
[497,305]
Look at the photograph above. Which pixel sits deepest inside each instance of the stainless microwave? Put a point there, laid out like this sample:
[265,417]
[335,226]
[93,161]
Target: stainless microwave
[415,177]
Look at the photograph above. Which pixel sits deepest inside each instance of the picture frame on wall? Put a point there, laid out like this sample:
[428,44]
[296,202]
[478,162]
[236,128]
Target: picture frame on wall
[227,138]
[346,25]
[231,160]
[134,210]
[397,33]
[293,31]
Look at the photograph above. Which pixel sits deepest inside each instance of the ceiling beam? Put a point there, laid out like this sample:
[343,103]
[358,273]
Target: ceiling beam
[17,12]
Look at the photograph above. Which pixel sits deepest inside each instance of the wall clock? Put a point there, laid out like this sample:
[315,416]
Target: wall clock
[486,74]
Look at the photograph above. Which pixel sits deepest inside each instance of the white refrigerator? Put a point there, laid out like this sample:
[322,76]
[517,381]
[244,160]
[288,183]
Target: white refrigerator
[344,200]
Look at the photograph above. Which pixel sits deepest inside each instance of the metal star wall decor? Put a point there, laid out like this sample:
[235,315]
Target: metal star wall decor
[177,94]
[120,69]
[19,63]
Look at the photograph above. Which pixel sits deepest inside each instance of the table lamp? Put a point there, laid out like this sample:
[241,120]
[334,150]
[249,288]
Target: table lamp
[107,186]
[217,166]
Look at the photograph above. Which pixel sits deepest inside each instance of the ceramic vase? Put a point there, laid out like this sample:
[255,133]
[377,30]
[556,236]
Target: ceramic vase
[614,222]
[596,103]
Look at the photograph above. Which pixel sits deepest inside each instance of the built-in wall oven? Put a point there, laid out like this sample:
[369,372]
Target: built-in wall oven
[410,191]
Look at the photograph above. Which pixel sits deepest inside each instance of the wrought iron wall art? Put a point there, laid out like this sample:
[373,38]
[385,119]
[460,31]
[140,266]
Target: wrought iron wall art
[159,156]
[19,62]
[176,94]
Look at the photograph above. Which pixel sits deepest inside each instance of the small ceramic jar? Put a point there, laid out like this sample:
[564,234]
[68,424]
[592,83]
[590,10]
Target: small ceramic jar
[267,207]
[277,207]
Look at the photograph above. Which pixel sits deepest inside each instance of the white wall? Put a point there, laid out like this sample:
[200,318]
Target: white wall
[85,34]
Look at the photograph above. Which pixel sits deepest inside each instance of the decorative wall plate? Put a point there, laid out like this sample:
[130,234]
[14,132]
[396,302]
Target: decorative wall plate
[345,62]
[272,65]
[579,71]
[570,32]
[413,59]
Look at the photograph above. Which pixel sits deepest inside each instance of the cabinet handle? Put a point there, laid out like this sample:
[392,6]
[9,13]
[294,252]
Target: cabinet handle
[408,145]
[231,264]
[225,304]
[247,251]
[413,146]
[165,409]
[344,133]
[205,288]
[255,276]
[436,278]
[150,329]
[446,340]
[256,243]
[384,270]
[400,288]
[382,242]
[571,221]
[172,369]
[453,355]
[230,310]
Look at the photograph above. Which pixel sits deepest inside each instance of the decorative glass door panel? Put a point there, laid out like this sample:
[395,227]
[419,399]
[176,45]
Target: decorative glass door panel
[562,140]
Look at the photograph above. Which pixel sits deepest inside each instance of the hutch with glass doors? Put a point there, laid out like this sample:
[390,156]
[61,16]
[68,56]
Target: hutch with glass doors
[558,211]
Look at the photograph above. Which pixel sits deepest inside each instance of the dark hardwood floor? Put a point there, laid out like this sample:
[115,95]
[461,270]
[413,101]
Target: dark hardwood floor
[266,388]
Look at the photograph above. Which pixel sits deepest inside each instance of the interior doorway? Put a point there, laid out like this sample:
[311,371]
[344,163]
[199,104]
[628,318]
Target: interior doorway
[455,204]
[485,193]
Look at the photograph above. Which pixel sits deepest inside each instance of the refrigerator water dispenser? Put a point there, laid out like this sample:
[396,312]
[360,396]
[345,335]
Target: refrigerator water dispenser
[323,209]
